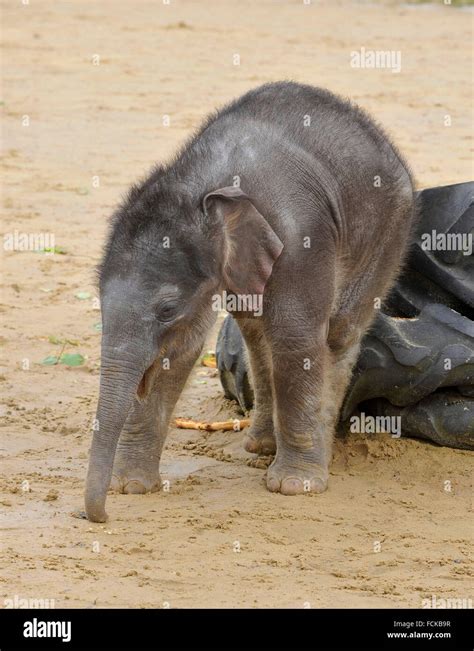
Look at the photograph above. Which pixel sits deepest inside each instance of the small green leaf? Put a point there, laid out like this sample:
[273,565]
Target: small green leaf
[72,359]
[54,249]
[98,326]
[50,360]
[82,296]
[58,342]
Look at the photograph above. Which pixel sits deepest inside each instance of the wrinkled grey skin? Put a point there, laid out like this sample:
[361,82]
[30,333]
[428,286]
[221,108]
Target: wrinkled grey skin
[310,228]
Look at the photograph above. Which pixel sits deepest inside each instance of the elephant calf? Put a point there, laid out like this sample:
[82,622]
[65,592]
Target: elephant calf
[290,198]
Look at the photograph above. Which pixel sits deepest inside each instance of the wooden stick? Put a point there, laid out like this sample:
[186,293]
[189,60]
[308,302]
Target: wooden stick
[237,425]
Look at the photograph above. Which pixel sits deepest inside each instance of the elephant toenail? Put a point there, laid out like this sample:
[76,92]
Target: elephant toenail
[292,486]
[273,484]
[115,483]
[134,487]
[251,444]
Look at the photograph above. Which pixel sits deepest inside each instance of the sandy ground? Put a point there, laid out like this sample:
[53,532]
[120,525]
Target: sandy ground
[394,526]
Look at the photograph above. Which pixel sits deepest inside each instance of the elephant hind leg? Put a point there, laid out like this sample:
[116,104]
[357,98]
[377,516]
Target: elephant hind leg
[338,381]
[260,438]
[358,305]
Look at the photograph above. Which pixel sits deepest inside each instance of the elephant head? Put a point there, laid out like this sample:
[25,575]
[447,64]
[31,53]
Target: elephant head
[166,257]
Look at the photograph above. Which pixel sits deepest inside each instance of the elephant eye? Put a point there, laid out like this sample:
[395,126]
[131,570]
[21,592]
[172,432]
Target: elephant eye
[166,312]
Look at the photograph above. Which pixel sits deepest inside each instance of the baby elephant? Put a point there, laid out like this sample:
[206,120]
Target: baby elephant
[296,205]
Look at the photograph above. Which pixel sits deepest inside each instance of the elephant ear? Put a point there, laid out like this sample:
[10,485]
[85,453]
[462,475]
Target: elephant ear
[251,245]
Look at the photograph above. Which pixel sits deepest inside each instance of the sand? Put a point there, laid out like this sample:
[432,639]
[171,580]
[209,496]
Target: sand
[393,528]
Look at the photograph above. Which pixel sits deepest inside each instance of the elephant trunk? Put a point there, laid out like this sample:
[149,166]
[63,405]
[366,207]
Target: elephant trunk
[118,385]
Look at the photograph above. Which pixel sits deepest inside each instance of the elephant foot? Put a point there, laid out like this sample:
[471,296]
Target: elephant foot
[133,485]
[293,478]
[135,476]
[261,441]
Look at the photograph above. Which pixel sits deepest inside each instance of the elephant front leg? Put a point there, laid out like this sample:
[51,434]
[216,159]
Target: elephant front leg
[137,460]
[303,424]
